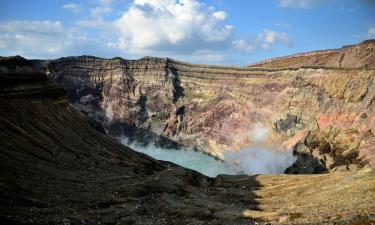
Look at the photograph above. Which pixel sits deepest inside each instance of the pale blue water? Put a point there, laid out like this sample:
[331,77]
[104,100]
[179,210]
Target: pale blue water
[191,159]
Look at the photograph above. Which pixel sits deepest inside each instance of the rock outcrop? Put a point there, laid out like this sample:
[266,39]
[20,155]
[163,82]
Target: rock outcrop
[321,109]
[56,168]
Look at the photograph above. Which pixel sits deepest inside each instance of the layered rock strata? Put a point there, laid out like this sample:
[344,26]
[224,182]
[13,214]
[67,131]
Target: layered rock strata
[350,56]
[324,111]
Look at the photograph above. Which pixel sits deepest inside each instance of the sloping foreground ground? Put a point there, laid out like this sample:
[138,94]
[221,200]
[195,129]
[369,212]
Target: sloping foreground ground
[56,168]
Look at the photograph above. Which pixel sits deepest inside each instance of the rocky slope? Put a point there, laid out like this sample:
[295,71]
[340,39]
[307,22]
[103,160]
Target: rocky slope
[319,104]
[351,56]
[58,167]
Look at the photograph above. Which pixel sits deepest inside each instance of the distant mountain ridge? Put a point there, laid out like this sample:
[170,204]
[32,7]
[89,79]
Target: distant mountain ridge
[350,56]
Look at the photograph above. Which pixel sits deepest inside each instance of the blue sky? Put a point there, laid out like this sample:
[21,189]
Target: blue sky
[234,32]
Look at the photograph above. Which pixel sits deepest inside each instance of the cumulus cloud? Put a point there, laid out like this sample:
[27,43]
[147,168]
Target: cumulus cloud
[303,4]
[183,26]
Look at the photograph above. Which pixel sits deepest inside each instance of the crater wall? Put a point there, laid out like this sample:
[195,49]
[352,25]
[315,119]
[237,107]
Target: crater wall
[326,114]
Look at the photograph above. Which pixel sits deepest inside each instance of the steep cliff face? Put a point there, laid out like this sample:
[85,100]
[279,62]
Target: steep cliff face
[57,168]
[325,114]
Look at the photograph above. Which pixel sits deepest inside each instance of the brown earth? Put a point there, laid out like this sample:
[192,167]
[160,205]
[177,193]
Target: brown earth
[351,56]
[58,167]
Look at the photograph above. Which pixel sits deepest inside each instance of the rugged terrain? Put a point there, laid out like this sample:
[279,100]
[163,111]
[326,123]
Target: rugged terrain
[350,56]
[59,167]
[321,104]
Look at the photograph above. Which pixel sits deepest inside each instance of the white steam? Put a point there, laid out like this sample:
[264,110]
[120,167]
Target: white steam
[259,133]
[257,159]
[108,109]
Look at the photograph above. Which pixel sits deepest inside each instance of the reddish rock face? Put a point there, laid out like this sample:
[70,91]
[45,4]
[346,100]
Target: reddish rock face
[324,111]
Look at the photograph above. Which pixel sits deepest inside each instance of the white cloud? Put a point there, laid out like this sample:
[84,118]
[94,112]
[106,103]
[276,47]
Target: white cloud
[40,39]
[182,29]
[244,46]
[100,10]
[74,7]
[104,7]
[172,26]
[265,40]
[371,31]
[220,15]
[33,35]
[269,37]
[303,4]
[97,23]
